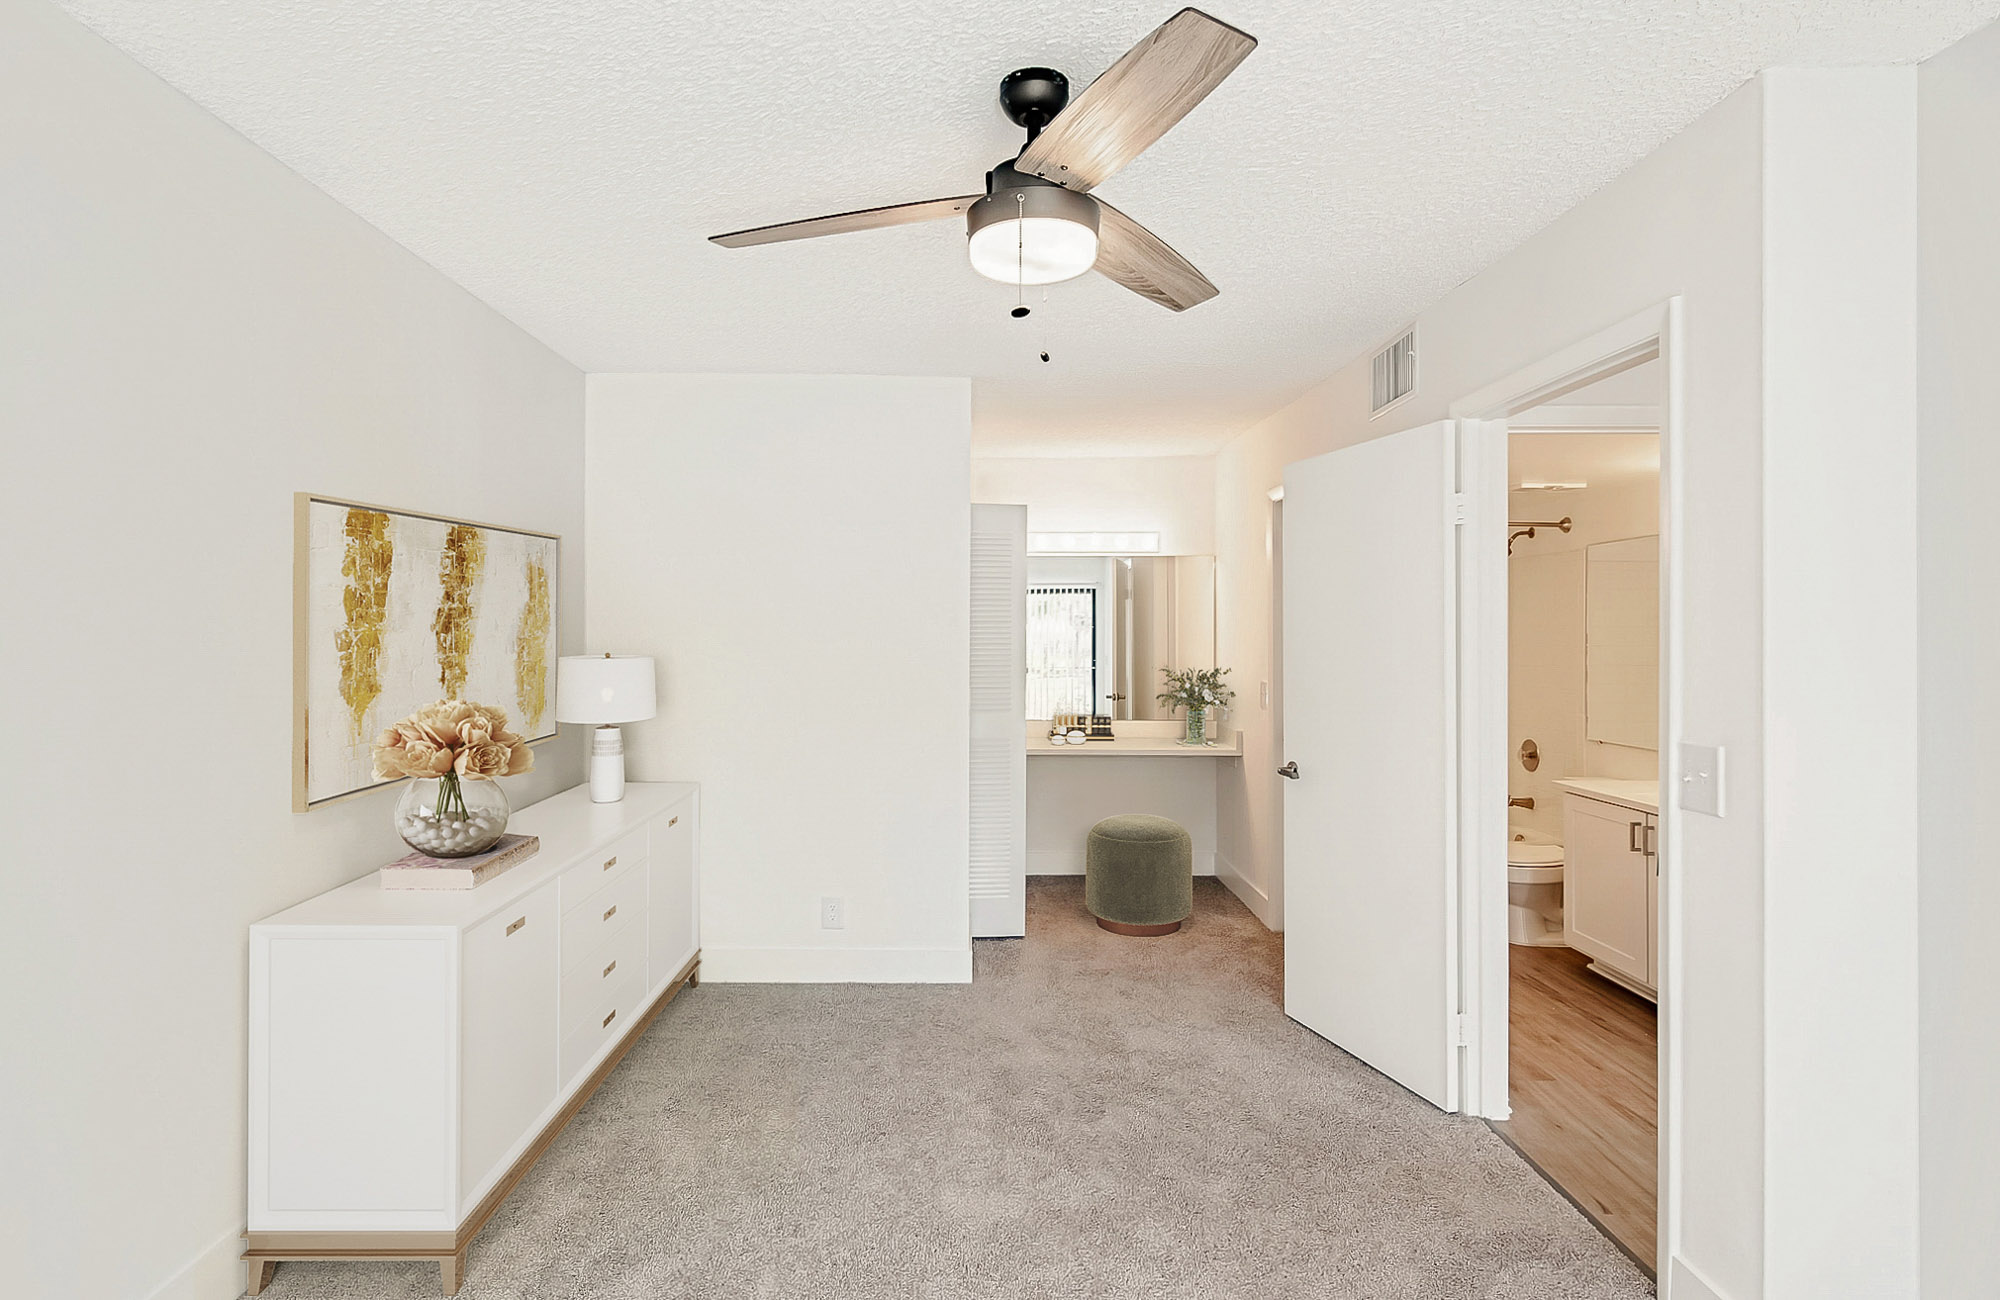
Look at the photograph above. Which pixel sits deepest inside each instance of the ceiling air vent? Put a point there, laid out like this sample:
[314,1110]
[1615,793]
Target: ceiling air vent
[1395,372]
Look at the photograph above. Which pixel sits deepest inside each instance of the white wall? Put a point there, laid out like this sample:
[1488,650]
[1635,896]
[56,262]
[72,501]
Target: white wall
[1173,496]
[1685,221]
[1070,793]
[796,551]
[190,333]
[1840,682]
[1959,618]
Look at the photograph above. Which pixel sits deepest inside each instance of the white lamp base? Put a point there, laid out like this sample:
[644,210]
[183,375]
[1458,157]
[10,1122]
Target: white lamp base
[607,765]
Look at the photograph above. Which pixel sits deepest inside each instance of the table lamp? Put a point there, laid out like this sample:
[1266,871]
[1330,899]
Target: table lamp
[605,689]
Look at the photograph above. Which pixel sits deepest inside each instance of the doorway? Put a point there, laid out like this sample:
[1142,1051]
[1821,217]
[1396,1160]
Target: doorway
[1582,545]
[1557,980]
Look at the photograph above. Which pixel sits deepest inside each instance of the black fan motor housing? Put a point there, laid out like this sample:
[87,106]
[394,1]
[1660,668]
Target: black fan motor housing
[1033,96]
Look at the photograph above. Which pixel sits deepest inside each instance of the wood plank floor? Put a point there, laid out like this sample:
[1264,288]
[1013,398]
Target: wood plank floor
[1585,1091]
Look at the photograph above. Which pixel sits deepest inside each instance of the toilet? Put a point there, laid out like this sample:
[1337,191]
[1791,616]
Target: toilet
[1534,888]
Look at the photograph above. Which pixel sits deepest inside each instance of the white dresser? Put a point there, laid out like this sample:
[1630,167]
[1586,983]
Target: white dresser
[412,1053]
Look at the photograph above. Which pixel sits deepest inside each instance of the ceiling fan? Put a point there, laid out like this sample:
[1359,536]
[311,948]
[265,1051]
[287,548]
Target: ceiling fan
[1038,223]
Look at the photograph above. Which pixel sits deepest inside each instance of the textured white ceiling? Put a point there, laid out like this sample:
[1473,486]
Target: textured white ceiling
[565,161]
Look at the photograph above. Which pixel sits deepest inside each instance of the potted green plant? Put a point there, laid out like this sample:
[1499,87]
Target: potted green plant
[1197,690]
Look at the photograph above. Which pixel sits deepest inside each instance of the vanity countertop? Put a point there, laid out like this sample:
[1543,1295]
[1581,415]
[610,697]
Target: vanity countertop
[1640,796]
[1135,740]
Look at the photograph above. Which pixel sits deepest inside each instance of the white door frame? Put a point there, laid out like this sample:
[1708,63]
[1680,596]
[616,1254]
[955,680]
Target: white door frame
[1483,714]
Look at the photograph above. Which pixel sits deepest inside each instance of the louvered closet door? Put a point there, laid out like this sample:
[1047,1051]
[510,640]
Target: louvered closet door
[999,726]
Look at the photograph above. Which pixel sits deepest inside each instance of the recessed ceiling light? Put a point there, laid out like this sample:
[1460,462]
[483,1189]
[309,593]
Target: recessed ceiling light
[1536,485]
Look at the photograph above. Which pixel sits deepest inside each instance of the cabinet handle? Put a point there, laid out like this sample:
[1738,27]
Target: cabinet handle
[1652,844]
[611,911]
[608,1019]
[1632,830]
[608,969]
[610,863]
[517,925]
[673,822]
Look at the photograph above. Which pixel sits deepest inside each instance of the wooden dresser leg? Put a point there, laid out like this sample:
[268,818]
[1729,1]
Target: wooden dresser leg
[260,1273]
[451,1272]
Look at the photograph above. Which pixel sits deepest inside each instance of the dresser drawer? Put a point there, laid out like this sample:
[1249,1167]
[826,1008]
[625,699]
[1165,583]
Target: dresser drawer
[587,925]
[609,1016]
[598,870]
[621,956]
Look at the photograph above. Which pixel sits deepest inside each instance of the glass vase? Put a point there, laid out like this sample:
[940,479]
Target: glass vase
[451,816]
[1197,727]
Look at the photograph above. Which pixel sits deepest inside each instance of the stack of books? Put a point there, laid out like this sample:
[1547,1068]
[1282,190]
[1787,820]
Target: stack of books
[422,871]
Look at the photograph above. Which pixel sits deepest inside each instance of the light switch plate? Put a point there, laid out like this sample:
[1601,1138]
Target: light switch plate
[1701,779]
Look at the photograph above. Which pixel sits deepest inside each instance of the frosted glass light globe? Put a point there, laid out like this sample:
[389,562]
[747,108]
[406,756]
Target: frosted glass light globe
[1033,250]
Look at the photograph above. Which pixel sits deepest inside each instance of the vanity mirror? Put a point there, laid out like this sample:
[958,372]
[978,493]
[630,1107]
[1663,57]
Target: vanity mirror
[1100,628]
[1622,642]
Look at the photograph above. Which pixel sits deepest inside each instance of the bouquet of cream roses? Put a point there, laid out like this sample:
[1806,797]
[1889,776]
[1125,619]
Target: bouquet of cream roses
[452,740]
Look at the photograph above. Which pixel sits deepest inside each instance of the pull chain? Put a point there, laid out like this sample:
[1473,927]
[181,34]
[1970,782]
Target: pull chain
[1020,253]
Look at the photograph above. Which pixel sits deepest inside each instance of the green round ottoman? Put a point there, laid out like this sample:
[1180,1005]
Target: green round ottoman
[1138,874]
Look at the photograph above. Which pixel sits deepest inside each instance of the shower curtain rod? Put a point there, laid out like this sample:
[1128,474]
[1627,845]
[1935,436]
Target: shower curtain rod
[1526,528]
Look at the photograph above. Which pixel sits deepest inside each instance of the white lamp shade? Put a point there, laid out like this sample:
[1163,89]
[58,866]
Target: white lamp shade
[605,688]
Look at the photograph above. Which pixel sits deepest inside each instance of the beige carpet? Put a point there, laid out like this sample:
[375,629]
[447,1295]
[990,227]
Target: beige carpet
[1094,1116]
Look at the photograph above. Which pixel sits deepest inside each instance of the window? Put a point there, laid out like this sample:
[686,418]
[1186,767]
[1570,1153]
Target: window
[1062,650]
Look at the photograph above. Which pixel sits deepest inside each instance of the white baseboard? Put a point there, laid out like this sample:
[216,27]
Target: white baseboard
[1069,862]
[1683,1283]
[836,965]
[1253,897]
[214,1274]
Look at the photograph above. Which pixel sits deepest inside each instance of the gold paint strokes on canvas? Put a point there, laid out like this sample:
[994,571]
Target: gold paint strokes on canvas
[531,648]
[365,607]
[458,577]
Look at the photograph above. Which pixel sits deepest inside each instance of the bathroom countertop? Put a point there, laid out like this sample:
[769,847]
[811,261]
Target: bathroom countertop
[1640,796]
[1138,746]
[1142,739]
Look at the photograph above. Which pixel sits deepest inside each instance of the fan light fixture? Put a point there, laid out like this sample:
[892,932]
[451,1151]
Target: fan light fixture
[1032,234]
[1037,223]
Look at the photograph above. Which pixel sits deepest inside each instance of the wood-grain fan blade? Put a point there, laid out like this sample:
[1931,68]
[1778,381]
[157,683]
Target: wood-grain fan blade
[1137,258]
[902,214]
[1136,101]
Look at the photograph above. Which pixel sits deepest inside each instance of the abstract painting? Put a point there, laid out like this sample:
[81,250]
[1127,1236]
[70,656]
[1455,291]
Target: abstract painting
[394,609]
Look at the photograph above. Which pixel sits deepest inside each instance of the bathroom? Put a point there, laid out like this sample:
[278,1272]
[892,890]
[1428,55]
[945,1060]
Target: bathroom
[1583,803]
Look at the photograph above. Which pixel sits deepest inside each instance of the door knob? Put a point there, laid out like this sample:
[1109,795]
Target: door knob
[1290,771]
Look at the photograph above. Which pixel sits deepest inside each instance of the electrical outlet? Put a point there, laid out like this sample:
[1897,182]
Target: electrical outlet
[833,914]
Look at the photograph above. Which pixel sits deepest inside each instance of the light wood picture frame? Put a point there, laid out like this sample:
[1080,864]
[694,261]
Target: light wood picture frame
[394,608]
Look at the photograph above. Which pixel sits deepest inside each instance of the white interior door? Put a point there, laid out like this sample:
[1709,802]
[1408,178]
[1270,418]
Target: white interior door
[999,760]
[1370,692]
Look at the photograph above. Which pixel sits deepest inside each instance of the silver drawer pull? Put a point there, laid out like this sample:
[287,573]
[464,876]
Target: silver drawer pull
[517,925]
[611,911]
[673,822]
[610,863]
[608,969]
[608,1019]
